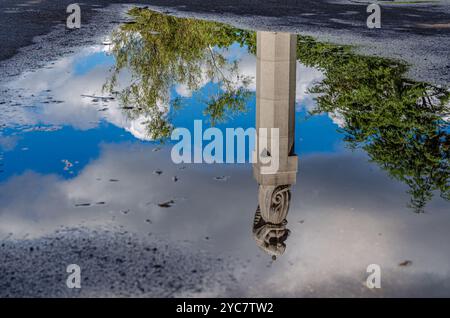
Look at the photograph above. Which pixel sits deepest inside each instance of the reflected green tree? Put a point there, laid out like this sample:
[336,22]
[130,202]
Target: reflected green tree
[159,51]
[402,125]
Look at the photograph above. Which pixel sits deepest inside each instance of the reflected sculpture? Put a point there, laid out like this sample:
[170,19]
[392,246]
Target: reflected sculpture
[275,108]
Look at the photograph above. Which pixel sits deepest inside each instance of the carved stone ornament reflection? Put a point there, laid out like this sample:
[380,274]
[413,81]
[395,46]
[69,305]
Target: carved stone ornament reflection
[269,227]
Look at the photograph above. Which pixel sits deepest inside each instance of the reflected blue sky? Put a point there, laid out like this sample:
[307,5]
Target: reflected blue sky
[39,146]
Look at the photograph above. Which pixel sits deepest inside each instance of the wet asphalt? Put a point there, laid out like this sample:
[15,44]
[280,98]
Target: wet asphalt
[418,34]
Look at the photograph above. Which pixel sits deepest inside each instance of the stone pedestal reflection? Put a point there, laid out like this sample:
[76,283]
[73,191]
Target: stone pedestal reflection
[275,108]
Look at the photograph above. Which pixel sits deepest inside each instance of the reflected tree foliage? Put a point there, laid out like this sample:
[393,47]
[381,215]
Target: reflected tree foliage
[159,51]
[402,125]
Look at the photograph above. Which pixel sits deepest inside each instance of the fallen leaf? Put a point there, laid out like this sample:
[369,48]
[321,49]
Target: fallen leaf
[405,263]
[167,204]
[222,178]
[82,204]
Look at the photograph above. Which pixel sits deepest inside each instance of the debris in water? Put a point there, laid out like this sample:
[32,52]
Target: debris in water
[103,98]
[113,180]
[167,204]
[67,164]
[174,179]
[158,172]
[82,204]
[43,128]
[222,178]
[405,263]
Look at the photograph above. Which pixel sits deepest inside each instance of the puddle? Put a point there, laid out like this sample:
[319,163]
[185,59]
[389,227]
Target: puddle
[364,169]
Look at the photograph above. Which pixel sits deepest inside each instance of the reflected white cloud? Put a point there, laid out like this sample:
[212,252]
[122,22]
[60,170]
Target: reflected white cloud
[67,88]
[68,104]
[8,143]
[337,118]
[353,215]
[306,78]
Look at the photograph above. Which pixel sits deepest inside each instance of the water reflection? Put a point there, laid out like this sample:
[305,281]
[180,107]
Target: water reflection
[275,108]
[74,165]
[160,51]
[401,124]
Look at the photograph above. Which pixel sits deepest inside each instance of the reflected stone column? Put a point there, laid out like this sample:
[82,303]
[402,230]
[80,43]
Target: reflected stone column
[275,108]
